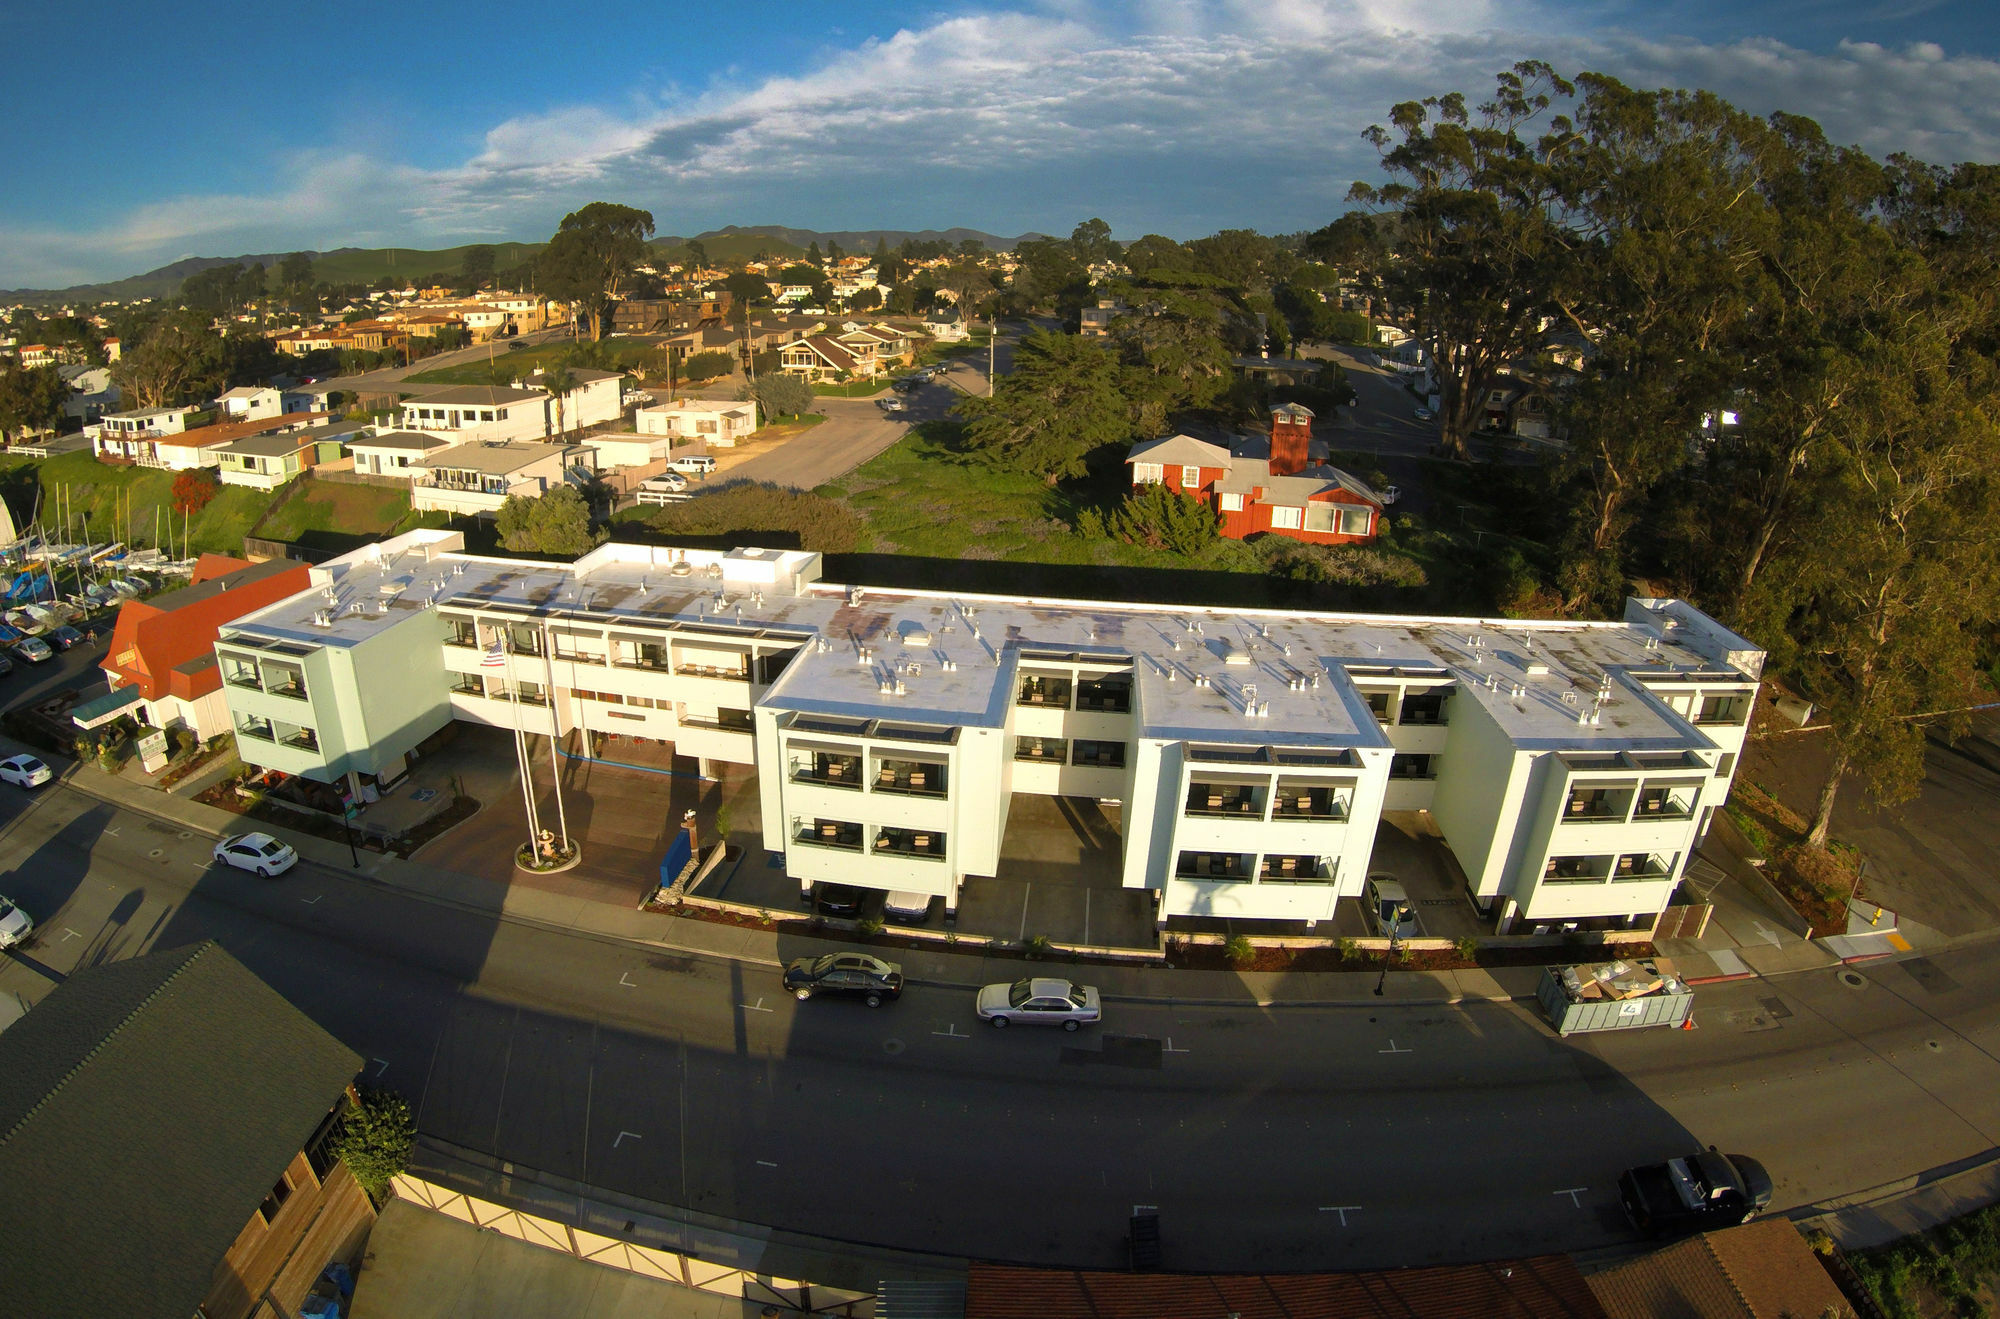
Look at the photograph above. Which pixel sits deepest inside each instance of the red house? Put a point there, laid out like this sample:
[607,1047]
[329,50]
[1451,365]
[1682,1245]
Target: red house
[1255,488]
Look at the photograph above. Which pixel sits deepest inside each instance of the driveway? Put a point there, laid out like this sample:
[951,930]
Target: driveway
[1060,877]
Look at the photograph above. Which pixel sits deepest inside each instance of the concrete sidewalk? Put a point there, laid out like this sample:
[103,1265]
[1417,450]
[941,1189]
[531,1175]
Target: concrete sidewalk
[528,905]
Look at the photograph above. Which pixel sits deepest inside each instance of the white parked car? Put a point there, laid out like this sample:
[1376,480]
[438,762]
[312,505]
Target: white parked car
[697,463]
[1390,494]
[24,771]
[669,481]
[15,926]
[260,853]
[1039,1002]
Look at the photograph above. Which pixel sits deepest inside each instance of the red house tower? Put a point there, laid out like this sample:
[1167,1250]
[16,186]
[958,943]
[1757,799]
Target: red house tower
[1291,438]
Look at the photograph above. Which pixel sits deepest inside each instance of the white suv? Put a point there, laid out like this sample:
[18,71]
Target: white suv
[699,464]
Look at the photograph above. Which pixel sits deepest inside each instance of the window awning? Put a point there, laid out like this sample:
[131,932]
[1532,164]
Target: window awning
[103,709]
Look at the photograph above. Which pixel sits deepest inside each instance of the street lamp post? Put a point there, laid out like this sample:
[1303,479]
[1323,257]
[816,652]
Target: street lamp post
[1382,980]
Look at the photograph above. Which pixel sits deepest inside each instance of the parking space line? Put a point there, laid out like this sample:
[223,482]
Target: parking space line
[625,979]
[1169,1047]
[381,1066]
[69,934]
[1574,1193]
[1342,1210]
[951,1032]
[1393,1049]
[1026,889]
[765,1163]
[621,1138]
[311,900]
[758,1006]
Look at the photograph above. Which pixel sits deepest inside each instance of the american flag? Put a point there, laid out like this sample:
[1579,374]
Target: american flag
[495,656]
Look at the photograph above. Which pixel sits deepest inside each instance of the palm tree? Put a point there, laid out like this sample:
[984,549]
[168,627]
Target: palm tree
[559,382]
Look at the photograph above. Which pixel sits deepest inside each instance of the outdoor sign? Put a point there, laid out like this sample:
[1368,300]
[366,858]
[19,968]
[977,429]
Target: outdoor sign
[678,853]
[153,751]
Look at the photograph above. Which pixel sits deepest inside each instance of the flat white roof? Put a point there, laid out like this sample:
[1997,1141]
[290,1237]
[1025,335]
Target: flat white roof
[1203,675]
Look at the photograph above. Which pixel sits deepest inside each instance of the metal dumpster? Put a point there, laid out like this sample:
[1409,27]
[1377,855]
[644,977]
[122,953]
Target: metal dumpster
[1614,996]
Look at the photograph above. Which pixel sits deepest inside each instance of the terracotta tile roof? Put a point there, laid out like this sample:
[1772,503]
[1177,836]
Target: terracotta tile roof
[1762,1270]
[1546,1287]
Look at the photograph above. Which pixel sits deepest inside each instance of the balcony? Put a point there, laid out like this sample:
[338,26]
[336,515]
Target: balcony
[244,677]
[1641,867]
[259,729]
[913,778]
[837,834]
[1296,870]
[1230,867]
[1101,755]
[1675,803]
[1303,803]
[1597,805]
[305,739]
[727,721]
[291,686]
[1224,800]
[1423,708]
[910,842]
[641,657]
[1040,750]
[712,671]
[829,771]
[1576,870]
[1051,693]
[1113,696]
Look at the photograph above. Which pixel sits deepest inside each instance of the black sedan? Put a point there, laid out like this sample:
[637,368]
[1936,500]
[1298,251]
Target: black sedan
[843,900]
[871,979]
[63,638]
[1695,1193]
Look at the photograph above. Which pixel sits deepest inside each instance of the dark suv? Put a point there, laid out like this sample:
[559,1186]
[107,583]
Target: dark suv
[870,978]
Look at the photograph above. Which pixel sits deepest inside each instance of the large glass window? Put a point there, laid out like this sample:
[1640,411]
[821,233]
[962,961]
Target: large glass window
[1052,749]
[1305,799]
[1424,707]
[1112,693]
[1597,803]
[1044,689]
[1103,755]
[1408,766]
[1667,801]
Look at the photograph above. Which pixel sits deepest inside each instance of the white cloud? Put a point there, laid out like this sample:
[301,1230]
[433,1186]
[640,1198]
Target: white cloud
[1180,116]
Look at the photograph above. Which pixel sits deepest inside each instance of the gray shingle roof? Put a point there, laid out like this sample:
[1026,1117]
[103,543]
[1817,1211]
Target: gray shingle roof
[146,1109]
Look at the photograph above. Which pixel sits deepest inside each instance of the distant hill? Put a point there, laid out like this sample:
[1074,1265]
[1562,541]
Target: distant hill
[345,265]
[348,265]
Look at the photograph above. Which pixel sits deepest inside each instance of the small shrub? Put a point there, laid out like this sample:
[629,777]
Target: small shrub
[1037,946]
[1467,947]
[707,366]
[761,513]
[375,1140]
[1240,951]
[869,928]
[194,488]
[1350,950]
[722,824]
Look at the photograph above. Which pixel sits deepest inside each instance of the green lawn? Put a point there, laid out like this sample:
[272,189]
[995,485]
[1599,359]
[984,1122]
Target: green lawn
[128,503]
[329,506]
[853,388]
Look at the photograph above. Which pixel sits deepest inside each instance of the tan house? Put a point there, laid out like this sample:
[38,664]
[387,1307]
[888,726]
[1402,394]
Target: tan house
[477,478]
[166,1126]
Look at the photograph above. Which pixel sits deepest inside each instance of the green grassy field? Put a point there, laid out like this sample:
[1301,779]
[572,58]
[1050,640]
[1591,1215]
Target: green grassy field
[109,503]
[508,365]
[328,506]
[853,388]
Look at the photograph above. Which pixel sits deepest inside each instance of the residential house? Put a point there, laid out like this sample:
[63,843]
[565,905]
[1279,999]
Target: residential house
[863,351]
[161,661]
[132,435]
[669,315]
[478,476]
[91,392]
[394,453]
[114,349]
[490,412]
[265,462]
[306,398]
[484,324]
[1095,322]
[945,325]
[720,424]
[1761,1270]
[1570,767]
[1278,370]
[166,1125]
[1264,486]
[1517,405]
[202,446]
[249,402]
[610,451]
[41,354]
[817,357]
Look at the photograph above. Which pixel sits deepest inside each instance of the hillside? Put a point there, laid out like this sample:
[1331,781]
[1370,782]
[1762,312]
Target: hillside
[347,265]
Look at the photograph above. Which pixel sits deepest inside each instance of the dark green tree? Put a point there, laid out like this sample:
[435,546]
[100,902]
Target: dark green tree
[557,522]
[376,1139]
[31,399]
[179,360]
[590,256]
[475,270]
[1167,520]
[781,395]
[1063,399]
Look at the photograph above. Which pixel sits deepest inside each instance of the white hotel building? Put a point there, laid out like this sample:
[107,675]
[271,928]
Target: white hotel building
[1570,768]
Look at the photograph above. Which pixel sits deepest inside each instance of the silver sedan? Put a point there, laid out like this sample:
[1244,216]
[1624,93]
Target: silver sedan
[1040,1002]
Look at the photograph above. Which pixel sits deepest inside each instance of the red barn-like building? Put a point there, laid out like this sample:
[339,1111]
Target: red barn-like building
[1260,486]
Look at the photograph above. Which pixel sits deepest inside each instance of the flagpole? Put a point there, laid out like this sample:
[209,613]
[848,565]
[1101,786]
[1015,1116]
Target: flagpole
[555,768]
[520,748]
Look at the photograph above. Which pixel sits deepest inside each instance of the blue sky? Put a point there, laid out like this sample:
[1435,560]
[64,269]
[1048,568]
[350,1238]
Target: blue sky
[229,128]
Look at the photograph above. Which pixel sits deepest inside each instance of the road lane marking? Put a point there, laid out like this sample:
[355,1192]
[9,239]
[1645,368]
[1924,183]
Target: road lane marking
[1342,1210]
[1573,1192]
[625,979]
[1393,1049]
[311,900]
[951,1032]
[765,1163]
[621,1138]
[758,1006]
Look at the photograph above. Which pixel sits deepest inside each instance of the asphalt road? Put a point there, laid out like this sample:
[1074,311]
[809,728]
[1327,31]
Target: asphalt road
[1304,1138]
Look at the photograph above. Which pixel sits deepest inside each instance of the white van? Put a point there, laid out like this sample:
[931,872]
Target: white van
[906,908]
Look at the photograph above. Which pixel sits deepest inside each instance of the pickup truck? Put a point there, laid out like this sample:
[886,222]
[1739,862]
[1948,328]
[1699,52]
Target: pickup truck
[1695,1193]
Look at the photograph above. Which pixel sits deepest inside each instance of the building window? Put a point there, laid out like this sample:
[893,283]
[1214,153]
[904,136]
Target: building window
[1104,755]
[240,672]
[1410,767]
[1232,503]
[1190,478]
[1353,521]
[1042,689]
[1378,704]
[1727,708]
[280,1193]
[1576,870]
[919,778]
[842,834]
[1229,867]
[1225,799]
[1304,799]
[910,842]
[1284,517]
[252,726]
[1597,803]
[1148,473]
[1725,764]
[1291,869]
[1425,707]
[468,684]
[832,768]
[1667,801]
[1110,693]
[1051,749]
[1640,866]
